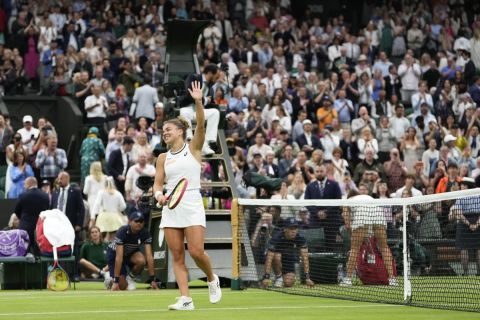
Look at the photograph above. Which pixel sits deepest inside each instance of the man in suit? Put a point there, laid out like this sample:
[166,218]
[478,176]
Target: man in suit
[29,206]
[308,141]
[119,162]
[68,199]
[327,217]
[208,77]
[144,101]
[393,84]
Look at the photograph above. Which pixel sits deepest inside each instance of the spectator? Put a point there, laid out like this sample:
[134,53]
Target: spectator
[92,150]
[119,162]
[367,141]
[421,97]
[409,146]
[368,164]
[107,210]
[96,106]
[115,144]
[363,121]
[408,187]
[140,168]
[445,184]
[430,157]
[409,73]
[393,83]
[395,171]
[400,123]
[259,147]
[51,160]
[326,113]
[94,183]
[308,141]
[19,172]
[29,133]
[144,101]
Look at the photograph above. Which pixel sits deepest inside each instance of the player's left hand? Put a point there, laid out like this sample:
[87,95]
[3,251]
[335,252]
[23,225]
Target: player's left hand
[309,283]
[196,91]
[154,285]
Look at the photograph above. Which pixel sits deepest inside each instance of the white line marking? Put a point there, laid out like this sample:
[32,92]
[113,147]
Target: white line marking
[104,293]
[200,309]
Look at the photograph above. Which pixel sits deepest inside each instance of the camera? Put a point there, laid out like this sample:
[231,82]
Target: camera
[145,183]
[264,228]
[224,67]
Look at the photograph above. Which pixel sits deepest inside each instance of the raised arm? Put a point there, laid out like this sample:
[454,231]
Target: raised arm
[199,135]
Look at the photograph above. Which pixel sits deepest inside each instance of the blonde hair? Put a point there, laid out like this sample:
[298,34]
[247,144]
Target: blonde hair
[181,123]
[96,171]
[110,187]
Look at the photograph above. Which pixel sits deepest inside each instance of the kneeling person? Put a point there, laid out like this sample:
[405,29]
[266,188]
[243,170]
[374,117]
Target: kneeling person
[125,251]
[282,255]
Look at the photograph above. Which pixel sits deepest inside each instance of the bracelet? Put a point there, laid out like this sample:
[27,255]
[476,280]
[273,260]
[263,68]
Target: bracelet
[307,275]
[157,193]
[116,279]
[266,276]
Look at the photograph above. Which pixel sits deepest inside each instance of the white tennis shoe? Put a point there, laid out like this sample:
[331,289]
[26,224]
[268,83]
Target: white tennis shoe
[183,304]
[214,290]
[278,282]
[346,282]
[131,284]
[393,282]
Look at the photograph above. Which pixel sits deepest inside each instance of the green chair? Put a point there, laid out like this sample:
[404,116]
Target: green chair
[3,171]
[315,239]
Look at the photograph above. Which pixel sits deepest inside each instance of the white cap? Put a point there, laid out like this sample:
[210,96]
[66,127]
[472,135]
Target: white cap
[27,118]
[306,121]
[159,105]
[449,138]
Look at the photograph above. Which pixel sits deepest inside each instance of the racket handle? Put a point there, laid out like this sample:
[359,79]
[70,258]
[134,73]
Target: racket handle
[159,206]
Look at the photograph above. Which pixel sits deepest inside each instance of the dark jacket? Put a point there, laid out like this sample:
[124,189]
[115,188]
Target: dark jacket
[74,208]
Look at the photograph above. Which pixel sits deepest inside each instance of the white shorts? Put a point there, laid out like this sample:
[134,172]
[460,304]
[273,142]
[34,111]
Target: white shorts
[189,212]
[367,216]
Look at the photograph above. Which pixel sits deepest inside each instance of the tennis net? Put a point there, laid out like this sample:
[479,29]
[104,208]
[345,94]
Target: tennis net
[420,251]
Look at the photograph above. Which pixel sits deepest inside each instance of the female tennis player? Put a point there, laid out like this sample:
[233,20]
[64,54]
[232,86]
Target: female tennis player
[359,219]
[187,219]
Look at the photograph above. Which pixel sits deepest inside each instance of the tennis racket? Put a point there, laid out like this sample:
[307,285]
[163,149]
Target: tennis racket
[57,279]
[174,198]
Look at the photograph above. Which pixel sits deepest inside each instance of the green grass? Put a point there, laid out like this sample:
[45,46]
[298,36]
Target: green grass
[90,301]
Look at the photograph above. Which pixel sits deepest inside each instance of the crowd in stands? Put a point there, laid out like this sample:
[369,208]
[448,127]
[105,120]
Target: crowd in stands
[389,108]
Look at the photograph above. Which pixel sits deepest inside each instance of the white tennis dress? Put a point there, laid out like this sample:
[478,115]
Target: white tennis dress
[368,215]
[190,210]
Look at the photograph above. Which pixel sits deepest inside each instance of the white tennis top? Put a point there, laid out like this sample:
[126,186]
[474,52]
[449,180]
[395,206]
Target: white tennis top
[182,164]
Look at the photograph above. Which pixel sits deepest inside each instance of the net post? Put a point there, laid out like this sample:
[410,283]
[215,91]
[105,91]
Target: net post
[236,281]
[407,287]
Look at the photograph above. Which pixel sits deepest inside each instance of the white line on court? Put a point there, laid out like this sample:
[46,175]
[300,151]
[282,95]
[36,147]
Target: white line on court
[200,309]
[99,293]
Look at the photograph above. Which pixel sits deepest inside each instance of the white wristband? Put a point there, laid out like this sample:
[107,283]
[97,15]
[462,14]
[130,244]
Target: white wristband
[158,193]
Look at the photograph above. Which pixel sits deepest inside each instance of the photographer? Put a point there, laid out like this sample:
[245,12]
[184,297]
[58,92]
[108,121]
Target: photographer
[282,256]
[262,235]
[208,77]
[141,168]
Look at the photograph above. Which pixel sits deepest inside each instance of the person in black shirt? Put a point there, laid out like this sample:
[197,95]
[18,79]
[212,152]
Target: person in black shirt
[283,254]
[124,251]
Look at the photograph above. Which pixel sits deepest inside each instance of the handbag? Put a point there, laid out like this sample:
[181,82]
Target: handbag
[370,265]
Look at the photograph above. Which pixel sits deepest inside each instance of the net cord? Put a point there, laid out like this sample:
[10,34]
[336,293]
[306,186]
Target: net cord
[354,202]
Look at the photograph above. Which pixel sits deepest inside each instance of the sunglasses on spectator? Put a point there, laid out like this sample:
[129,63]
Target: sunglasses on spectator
[138,221]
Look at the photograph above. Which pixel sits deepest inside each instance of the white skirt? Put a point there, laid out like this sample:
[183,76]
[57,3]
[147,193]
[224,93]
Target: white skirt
[189,212]
[367,216]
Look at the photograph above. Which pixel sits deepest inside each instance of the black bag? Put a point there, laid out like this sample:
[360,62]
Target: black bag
[256,180]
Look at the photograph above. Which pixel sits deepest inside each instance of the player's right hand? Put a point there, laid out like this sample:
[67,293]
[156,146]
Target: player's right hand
[162,200]
[115,287]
